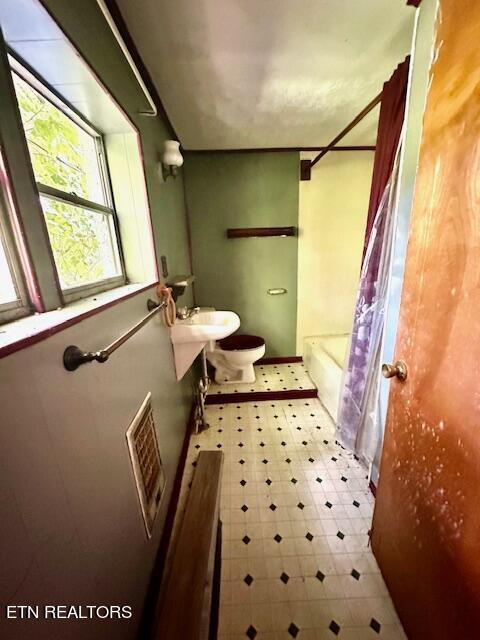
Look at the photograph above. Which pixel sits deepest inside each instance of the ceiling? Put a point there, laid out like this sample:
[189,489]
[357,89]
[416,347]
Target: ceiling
[269,73]
[37,40]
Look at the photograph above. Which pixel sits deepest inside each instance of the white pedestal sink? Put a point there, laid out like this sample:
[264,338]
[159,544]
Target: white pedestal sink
[189,336]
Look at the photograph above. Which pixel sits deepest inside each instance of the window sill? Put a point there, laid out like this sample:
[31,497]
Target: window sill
[22,333]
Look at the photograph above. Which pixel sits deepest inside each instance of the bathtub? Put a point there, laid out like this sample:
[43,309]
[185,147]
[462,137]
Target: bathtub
[324,358]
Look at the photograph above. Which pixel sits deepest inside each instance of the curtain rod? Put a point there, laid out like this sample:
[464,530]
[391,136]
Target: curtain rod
[348,128]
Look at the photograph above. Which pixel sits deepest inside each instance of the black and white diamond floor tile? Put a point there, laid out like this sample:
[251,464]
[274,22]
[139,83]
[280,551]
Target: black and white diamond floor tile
[269,378]
[331,585]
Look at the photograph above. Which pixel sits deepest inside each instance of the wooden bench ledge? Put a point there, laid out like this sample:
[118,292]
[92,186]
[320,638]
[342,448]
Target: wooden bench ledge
[185,608]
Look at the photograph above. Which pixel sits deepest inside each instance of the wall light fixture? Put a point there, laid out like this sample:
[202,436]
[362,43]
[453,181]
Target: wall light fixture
[172,159]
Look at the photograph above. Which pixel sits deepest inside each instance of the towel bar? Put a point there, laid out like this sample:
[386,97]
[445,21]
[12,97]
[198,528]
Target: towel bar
[73,356]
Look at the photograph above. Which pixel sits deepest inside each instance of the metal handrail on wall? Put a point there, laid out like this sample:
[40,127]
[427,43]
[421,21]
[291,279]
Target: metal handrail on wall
[73,356]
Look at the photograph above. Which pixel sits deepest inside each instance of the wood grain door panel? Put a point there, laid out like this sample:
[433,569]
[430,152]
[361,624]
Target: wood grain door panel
[426,528]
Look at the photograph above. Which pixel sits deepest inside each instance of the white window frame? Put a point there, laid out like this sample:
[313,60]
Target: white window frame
[20,307]
[23,223]
[72,294]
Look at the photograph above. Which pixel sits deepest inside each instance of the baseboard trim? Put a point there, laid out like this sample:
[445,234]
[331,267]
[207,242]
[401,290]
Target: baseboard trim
[151,600]
[286,360]
[261,396]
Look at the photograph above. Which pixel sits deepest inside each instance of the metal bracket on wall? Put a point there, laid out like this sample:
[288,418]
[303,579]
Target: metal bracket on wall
[305,169]
[163,260]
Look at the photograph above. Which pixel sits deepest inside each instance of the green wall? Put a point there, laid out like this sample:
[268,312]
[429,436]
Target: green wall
[75,516]
[257,189]
[84,23]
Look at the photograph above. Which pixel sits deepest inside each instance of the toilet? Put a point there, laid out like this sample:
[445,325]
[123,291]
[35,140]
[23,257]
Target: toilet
[233,358]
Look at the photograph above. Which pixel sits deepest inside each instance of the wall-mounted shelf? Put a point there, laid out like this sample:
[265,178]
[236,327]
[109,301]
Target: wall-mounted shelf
[261,232]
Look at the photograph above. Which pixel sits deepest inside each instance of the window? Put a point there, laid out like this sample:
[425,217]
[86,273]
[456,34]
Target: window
[8,293]
[69,165]
[13,299]
[59,224]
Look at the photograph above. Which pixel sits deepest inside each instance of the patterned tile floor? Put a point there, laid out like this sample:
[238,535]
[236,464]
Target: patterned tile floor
[296,510]
[270,377]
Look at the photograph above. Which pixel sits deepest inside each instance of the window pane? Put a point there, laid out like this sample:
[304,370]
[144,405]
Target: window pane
[7,287]
[83,243]
[63,155]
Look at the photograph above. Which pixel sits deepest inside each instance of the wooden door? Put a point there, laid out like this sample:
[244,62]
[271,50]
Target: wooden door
[426,527]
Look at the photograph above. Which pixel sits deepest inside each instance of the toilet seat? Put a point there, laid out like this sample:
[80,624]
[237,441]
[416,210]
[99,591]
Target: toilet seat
[241,342]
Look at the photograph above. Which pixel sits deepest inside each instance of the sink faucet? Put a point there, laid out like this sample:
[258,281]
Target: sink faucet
[184,312]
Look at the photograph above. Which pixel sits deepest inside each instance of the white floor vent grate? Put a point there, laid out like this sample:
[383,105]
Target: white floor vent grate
[146,462]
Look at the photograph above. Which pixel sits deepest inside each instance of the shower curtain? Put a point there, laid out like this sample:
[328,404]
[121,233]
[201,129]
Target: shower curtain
[359,420]
[392,114]
[358,424]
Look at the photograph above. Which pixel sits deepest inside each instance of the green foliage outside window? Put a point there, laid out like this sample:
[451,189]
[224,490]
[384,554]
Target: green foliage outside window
[64,156]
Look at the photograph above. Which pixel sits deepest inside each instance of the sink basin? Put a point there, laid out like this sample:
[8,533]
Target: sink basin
[204,327]
[189,336]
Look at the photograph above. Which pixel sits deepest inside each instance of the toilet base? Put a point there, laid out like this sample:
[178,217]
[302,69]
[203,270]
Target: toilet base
[228,375]
[234,364]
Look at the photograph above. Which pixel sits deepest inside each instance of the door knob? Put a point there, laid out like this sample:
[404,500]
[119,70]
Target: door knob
[398,370]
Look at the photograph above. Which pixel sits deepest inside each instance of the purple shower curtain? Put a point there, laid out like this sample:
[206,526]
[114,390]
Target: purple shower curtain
[357,410]
[369,313]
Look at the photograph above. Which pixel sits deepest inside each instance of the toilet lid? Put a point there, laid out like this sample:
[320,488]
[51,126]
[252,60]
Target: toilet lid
[241,342]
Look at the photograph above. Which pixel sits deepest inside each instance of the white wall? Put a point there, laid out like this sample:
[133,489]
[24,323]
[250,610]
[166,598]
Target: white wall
[332,217]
